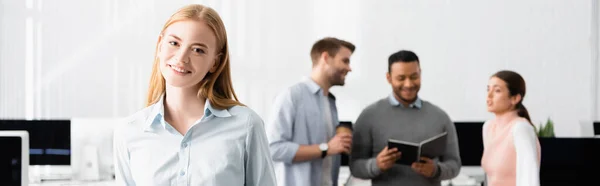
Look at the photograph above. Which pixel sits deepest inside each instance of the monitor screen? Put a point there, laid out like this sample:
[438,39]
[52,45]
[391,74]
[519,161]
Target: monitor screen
[49,140]
[470,142]
[569,161]
[10,161]
[597,128]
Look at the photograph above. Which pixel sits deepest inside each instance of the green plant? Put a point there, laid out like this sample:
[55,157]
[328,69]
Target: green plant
[546,130]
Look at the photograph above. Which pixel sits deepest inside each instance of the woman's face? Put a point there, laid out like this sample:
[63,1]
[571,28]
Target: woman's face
[498,96]
[187,51]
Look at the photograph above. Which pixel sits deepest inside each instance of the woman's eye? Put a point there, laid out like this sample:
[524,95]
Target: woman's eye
[198,50]
[173,43]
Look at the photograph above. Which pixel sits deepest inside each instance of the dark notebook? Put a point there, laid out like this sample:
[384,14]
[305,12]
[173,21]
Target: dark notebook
[411,152]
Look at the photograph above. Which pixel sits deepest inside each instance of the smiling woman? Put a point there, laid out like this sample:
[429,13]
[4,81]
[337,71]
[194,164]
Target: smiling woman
[192,112]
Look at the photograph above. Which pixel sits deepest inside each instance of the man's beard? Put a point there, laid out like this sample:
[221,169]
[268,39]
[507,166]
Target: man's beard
[336,78]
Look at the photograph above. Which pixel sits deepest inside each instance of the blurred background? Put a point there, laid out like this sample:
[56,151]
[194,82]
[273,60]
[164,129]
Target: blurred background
[65,59]
[69,58]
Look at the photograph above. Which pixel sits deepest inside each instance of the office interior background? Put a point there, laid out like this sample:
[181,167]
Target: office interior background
[89,61]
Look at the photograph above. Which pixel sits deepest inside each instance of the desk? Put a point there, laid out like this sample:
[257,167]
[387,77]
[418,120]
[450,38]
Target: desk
[345,178]
[74,183]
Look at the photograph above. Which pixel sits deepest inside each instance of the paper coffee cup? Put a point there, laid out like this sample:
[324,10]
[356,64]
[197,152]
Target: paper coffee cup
[343,127]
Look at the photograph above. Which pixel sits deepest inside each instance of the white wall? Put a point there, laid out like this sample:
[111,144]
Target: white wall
[596,54]
[92,59]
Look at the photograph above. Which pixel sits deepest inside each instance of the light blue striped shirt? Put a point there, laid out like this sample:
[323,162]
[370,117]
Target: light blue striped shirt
[297,119]
[225,147]
[416,104]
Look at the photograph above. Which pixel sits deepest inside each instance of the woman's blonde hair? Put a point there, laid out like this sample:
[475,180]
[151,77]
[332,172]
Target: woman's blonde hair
[216,87]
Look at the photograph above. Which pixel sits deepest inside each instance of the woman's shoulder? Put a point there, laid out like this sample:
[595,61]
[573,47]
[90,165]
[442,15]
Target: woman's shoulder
[245,113]
[522,124]
[134,121]
[486,124]
[522,129]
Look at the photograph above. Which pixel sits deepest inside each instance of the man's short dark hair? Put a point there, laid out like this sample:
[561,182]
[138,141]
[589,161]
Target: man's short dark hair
[403,56]
[330,45]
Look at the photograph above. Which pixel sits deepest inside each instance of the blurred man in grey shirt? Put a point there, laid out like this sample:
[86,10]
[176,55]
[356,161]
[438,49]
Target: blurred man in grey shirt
[402,116]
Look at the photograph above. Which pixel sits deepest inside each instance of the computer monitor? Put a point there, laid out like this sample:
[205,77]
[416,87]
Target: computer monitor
[14,159]
[49,140]
[92,148]
[470,142]
[569,161]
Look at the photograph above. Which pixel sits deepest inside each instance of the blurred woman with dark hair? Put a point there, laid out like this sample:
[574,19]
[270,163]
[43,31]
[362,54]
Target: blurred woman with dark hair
[512,151]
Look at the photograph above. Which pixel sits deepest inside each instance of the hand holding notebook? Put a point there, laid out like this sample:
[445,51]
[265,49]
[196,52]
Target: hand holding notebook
[424,166]
[386,158]
[412,152]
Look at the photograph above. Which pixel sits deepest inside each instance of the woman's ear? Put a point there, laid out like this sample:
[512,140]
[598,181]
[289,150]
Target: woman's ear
[216,64]
[516,99]
[159,45]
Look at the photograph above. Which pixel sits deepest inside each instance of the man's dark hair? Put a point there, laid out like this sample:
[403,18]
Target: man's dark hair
[403,56]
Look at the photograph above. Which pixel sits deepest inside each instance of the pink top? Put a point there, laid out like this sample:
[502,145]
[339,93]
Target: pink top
[511,155]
